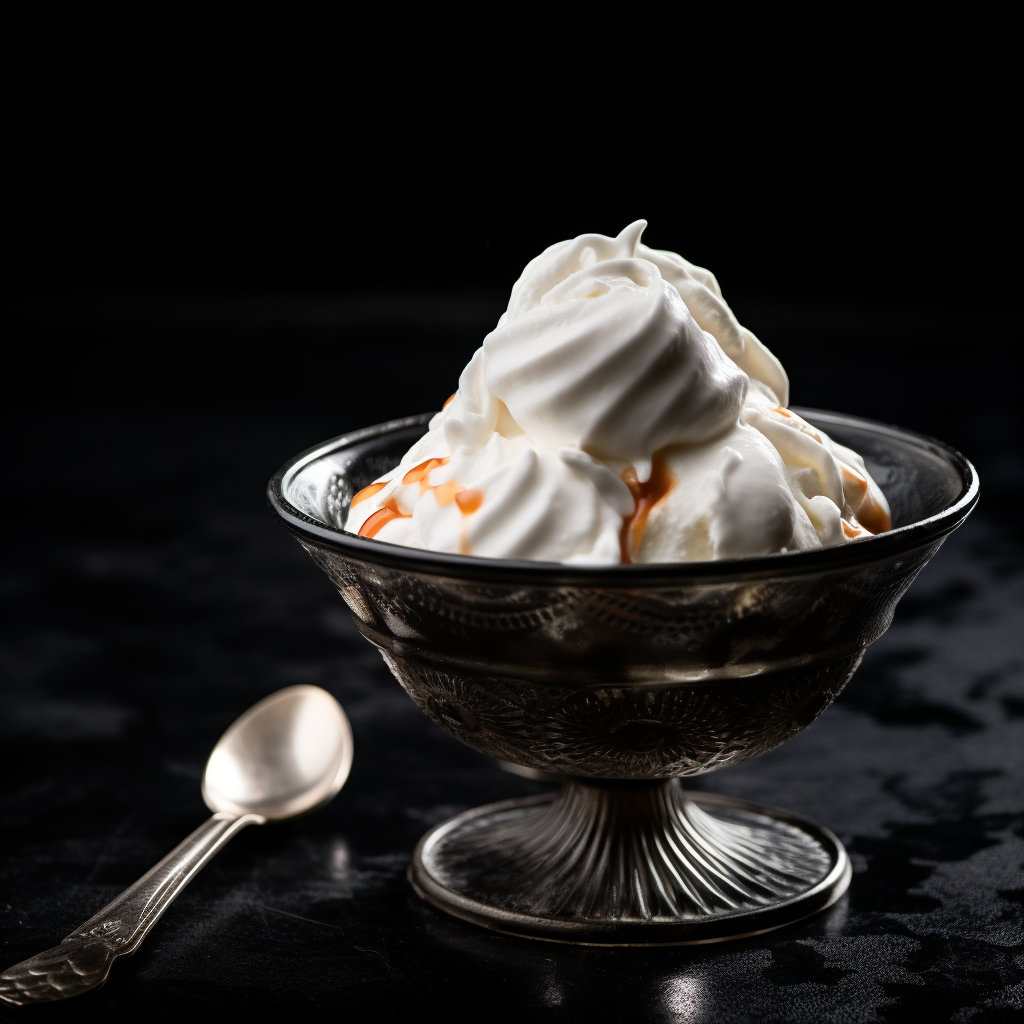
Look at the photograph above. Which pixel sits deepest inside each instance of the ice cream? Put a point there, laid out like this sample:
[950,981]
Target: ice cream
[618,412]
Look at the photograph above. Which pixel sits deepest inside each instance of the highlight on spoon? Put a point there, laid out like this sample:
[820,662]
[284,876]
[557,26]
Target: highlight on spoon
[286,756]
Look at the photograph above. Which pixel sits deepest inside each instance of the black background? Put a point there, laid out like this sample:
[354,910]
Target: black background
[198,228]
[213,264]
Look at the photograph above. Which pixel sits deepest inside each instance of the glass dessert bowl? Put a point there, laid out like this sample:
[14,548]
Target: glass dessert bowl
[622,680]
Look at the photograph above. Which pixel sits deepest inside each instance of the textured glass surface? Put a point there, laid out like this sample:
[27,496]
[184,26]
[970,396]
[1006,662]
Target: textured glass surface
[631,672]
[622,679]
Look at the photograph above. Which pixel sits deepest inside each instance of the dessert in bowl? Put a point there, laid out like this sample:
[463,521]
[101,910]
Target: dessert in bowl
[602,630]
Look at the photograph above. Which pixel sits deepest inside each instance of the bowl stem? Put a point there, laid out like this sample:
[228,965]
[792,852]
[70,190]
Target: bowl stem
[606,860]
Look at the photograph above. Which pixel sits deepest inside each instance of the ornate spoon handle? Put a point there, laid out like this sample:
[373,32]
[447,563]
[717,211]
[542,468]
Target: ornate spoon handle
[82,961]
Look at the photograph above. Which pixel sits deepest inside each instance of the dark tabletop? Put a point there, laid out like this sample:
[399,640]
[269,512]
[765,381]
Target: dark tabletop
[149,598]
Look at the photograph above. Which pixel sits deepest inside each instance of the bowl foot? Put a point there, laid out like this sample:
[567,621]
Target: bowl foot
[630,863]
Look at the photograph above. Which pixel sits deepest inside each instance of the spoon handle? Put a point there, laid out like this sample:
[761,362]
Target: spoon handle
[82,961]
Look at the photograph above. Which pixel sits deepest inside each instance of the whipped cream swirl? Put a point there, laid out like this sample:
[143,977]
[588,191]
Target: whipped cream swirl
[619,412]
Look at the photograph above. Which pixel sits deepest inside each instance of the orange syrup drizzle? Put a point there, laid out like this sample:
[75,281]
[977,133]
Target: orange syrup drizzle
[368,492]
[852,530]
[382,517]
[451,398]
[377,520]
[802,425]
[469,500]
[444,494]
[421,474]
[853,481]
[873,516]
[645,497]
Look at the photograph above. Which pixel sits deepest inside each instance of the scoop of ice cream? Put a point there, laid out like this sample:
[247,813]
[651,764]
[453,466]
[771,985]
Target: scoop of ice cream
[829,481]
[729,498]
[619,412]
[601,354]
[699,290]
[506,499]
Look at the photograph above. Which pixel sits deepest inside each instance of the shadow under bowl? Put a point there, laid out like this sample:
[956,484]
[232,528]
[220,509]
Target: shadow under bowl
[621,679]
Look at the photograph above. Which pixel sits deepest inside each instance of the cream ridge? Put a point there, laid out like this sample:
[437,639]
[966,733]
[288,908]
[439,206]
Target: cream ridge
[618,412]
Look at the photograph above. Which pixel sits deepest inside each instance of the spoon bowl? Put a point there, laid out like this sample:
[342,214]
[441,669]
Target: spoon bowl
[286,756]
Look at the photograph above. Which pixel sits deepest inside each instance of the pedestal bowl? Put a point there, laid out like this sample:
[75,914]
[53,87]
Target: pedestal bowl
[622,681]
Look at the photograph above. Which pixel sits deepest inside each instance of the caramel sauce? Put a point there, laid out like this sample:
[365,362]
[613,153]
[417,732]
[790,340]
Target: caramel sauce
[851,530]
[645,496]
[469,500]
[451,398]
[421,474]
[853,481]
[802,425]
[368,492]
[444,494]
[873,516]
[382,517]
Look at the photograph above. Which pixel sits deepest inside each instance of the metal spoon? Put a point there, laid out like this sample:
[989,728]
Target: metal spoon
[287,755]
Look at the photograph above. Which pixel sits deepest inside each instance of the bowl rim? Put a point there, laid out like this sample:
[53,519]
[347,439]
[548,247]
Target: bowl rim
[898,541]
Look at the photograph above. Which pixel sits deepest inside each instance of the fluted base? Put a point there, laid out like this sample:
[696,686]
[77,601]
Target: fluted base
[626,863]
